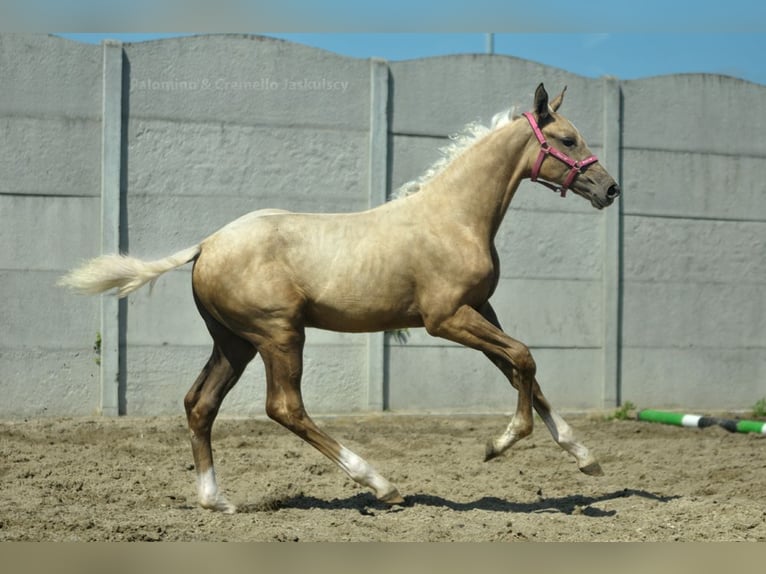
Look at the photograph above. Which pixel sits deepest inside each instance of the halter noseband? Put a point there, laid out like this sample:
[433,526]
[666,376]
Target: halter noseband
[576,167]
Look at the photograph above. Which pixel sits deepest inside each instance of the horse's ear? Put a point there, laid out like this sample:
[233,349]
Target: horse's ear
[556,103]
[541,103]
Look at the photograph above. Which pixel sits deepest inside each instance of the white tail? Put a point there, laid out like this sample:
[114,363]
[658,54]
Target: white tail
[121,272]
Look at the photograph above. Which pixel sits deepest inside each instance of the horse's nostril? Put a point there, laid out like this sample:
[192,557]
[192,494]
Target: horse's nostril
[613,191]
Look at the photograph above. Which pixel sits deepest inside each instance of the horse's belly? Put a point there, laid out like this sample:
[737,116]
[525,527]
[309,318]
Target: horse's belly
[357,315]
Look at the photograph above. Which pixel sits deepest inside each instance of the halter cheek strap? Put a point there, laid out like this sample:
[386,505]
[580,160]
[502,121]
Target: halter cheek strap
[575,167]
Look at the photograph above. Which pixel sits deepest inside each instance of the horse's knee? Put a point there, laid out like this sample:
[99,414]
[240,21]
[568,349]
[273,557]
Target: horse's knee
[201,412]
[287,414]
[523,361]
[190,400]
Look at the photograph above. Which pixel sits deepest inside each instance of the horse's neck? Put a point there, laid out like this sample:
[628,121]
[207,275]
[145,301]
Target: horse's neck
[478,186]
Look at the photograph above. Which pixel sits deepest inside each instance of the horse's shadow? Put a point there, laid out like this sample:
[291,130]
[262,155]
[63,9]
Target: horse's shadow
[367,504]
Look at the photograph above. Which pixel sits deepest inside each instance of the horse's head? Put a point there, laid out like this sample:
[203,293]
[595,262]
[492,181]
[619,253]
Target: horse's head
[559,155]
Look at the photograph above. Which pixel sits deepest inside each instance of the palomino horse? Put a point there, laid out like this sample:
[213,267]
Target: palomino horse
[262,279]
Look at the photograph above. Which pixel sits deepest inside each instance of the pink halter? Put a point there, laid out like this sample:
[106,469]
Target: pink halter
[576,167]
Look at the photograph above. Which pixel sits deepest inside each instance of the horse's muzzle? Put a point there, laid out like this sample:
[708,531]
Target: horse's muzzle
[600,201]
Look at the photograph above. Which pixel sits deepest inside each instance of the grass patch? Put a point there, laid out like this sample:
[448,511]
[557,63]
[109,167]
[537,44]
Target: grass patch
[759,408]
[626,411]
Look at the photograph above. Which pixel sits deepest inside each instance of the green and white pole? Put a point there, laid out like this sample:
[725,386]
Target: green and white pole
[758,427]
[701,421]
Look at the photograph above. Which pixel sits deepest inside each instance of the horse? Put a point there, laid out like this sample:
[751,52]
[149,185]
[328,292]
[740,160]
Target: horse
[260,280]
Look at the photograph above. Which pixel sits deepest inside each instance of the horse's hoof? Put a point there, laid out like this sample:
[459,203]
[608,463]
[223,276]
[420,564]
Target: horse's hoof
[220,504]
[490,452]
[229,508]
[592,469]
[392,497]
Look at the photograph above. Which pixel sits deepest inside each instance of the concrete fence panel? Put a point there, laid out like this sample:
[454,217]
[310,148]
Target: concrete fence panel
[148,148]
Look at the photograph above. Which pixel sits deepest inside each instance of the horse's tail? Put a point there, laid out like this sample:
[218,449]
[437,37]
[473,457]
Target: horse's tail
[121,272]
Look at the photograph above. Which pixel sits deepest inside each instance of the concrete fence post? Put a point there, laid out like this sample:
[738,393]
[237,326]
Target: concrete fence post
[111,155]
[378,192]
[612,245]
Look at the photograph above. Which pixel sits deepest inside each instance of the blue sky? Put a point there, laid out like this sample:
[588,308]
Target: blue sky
[626,55]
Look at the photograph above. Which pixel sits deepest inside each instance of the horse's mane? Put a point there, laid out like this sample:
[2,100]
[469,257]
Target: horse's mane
[460,142]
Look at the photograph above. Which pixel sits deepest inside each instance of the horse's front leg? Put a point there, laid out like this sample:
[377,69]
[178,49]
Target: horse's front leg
[561,431]
[470,328]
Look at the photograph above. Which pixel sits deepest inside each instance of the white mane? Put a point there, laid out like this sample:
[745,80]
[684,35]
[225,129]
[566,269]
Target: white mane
[461,141]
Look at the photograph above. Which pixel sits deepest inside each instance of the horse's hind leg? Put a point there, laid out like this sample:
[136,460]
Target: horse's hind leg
[558,427]
[228,360]
[284,404]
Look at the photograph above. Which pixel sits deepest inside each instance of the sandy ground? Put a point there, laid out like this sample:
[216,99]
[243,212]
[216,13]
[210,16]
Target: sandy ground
[131,479]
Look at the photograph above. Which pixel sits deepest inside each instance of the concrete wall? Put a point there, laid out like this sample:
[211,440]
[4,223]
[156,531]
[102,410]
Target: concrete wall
[50,169]
[694,241]
[149,147]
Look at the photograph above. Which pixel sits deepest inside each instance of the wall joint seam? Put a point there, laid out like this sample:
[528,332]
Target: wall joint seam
[111,174]
[378,185]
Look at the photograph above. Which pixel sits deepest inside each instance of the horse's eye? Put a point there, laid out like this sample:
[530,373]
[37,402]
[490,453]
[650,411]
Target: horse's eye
[568,142]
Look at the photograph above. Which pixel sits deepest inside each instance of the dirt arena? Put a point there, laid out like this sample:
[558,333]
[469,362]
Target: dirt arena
[131,479]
